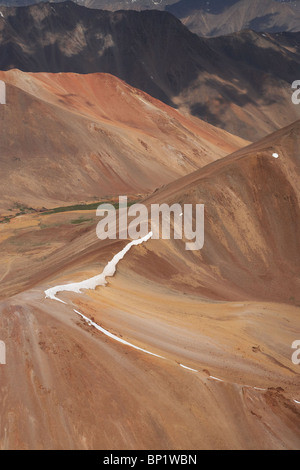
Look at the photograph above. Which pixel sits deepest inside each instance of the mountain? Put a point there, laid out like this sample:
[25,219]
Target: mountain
[85,137]
[115,5]
[241,82]
[112,5]
[208,18]
[216,17]
[218,323]
[176,349]
[251,199]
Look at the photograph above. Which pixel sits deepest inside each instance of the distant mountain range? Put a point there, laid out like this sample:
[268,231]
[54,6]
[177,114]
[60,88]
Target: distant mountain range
[241,82]
[182,345]
[209,17]
[112,5]
[214,18]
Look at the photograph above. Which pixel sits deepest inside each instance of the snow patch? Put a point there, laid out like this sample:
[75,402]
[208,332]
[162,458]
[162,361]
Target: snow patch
[114,337]
[215,378]
[100,279]
[188,368]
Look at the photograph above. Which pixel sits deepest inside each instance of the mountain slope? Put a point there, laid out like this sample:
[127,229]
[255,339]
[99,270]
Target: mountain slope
[240,82]
[67,138]
[230,360]
[215,18]
[252,206]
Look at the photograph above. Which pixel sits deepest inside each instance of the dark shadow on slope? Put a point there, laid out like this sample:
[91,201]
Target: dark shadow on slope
[154,52]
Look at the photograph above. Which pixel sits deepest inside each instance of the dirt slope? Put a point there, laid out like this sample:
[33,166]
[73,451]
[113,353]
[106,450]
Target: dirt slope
[66,138]
[225,312]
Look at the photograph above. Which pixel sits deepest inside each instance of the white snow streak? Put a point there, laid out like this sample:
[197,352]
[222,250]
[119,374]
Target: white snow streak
[116,338]
[100,279]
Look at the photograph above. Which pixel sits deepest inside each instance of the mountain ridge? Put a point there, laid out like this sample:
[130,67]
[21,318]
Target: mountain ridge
[109,137]
[217,18]
[208,18]
[229,81]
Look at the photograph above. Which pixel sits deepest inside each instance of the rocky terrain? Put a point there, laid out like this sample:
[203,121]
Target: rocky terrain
[241,82]
[123,344]
[211,329]
[218,17]
[88,137]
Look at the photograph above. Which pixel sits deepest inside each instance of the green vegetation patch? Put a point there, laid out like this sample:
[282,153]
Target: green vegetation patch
[84,207]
